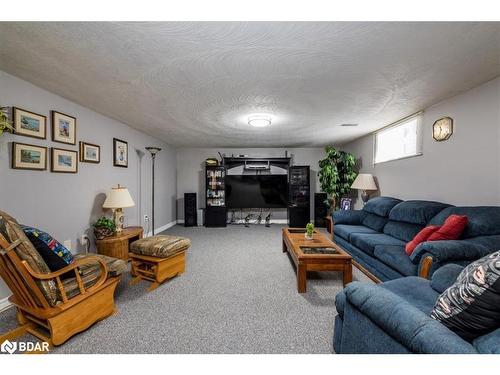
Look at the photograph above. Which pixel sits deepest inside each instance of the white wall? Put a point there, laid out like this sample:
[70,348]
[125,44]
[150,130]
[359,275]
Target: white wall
[191,166]
[66,204]
[464,170]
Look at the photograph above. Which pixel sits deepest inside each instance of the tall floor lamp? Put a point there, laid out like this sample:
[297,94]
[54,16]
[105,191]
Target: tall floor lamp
[153,151]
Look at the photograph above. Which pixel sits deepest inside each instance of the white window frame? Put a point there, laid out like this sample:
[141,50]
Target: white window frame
[419,137]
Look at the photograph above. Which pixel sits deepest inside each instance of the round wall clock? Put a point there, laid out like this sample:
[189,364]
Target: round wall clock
[442,129]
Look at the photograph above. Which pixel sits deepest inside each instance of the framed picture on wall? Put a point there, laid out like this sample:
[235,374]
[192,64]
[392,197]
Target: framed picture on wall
[63,161]
[29,124]
[29,157]
[345,204]
[90,153]
[63,128]
[120,153]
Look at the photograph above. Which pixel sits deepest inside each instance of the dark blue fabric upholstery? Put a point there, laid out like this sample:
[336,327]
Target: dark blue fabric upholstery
[374,222]
[345,230]
[449,250]
[339,304]
[396,257]
[352,217]
[381,206]
[490,242]
[416,212]
[444,277]
[367,242]
[401,230]
[488,344]
[483,220]
[414,290]
[377,320]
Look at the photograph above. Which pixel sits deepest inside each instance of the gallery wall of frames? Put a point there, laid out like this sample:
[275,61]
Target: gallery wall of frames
[63,129]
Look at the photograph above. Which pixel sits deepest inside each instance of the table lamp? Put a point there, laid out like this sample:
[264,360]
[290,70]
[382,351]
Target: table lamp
[118,199]
[365,182]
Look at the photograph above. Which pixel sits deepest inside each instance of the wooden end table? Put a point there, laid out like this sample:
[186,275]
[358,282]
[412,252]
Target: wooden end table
[117,245]
[295,243]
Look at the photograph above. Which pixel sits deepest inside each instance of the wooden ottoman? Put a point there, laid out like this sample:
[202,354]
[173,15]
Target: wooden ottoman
[158,258]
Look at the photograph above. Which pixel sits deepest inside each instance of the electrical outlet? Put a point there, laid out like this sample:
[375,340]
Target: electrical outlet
[67,244]
[146,218]
[84,239]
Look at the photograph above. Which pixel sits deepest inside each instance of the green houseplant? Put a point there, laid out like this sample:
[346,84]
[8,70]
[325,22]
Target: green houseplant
[336,174]
[104,227]
[309,231]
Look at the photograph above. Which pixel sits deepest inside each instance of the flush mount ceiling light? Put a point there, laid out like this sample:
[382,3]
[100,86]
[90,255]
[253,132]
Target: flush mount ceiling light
[348,124]
[259,121]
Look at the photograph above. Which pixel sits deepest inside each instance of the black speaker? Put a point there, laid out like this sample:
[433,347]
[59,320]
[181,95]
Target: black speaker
[320,209]
[190,217]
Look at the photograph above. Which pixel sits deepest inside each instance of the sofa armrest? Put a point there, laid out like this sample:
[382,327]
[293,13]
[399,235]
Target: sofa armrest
[446,251]
[444,277]
[402,321]
[352,217]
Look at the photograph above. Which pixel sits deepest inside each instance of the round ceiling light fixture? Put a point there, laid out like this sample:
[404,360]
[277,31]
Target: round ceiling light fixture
[259,121]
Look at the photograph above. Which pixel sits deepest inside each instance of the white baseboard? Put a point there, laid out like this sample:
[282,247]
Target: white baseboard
[5,304]
[161,229]
[180,221]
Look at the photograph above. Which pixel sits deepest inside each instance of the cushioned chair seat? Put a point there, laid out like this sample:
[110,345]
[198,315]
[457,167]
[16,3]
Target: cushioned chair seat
[396,257]
[367,242]
[161,246]
[91,272]
[345,230]
[415,290]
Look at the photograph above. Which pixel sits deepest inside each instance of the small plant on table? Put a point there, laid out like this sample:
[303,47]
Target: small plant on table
[309,231]
[104,227]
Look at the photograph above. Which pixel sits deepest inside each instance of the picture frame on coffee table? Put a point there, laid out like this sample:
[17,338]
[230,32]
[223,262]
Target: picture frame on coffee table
[63,128]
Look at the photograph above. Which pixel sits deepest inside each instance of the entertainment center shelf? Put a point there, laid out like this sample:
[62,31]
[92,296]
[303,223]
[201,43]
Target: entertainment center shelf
[235,161]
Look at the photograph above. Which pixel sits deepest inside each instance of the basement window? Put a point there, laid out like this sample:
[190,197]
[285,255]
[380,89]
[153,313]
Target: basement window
[402,139]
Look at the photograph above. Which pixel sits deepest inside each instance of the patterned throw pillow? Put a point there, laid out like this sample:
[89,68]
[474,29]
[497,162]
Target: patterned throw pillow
[471,306]
[53,253]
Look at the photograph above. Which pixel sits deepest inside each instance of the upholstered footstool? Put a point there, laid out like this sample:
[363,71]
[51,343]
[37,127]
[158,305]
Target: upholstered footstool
[158,258]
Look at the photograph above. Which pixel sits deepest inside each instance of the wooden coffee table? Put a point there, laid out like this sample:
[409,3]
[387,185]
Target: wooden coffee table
[303,253]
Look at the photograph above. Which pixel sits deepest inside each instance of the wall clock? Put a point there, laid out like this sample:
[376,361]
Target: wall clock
[442,129]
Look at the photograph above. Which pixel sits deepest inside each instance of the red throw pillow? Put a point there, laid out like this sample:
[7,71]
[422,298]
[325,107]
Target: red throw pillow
[451,229]
[420,237]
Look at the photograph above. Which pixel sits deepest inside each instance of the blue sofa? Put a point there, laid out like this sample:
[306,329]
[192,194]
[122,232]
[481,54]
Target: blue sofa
[393,317]
[376,236]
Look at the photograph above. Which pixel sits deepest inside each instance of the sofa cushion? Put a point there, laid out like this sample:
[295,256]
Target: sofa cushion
[381,206]
[420,237]
[53,253]
[445,277]
[161,246]
[483,220]
[374,222]
[416,211]
[471,306]
[396,257]
[351,217]
[11,231]
[489,343]
[367,242]
[402,231]
[414,290]
[344,230]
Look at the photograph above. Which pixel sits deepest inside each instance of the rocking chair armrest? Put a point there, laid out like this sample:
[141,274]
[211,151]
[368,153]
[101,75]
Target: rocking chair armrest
[71,267]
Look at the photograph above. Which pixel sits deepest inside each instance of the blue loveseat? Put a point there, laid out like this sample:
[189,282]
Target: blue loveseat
[376,236]
[393,317]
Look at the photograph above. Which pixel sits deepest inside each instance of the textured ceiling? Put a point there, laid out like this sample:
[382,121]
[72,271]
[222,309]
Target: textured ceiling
[195,83]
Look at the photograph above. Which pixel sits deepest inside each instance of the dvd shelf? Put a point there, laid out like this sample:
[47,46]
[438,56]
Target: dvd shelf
[215,214]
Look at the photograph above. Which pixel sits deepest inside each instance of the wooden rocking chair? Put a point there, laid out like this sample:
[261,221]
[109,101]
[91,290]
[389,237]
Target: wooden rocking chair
[70,314]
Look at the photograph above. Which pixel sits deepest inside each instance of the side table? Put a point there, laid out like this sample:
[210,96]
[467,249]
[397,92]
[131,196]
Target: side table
[117,245]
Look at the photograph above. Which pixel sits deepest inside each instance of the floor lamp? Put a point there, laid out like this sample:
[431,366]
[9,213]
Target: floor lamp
[153,151]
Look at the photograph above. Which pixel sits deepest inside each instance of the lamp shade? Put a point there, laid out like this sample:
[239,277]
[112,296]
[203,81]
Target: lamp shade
[364,181]
[118,197]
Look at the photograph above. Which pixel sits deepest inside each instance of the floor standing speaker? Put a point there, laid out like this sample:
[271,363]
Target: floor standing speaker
[320,209]
[190,214]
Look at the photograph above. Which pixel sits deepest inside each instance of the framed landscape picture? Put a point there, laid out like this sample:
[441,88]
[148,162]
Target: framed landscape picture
[63,161]
[29,157]
[63,128]
[29,124]
[120,153]
[90,153]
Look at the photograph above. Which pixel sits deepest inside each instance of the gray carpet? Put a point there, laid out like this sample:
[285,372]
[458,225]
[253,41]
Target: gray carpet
[238,295]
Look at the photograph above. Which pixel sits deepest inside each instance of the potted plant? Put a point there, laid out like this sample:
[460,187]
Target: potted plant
[336,175]
[5,124]
[104,227]
[309,231]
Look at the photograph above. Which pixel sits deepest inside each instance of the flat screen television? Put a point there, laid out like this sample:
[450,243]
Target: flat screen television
[256,191]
